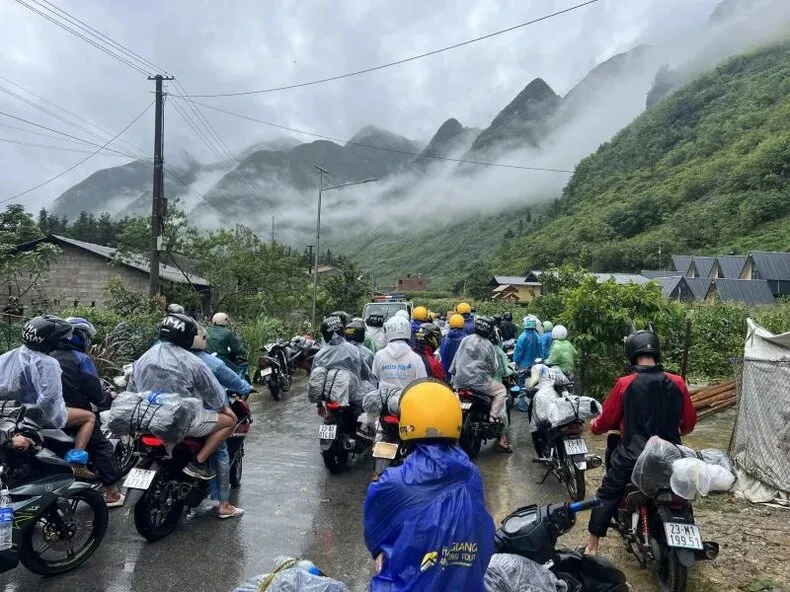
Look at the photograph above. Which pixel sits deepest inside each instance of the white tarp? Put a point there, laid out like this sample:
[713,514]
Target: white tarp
[761,439]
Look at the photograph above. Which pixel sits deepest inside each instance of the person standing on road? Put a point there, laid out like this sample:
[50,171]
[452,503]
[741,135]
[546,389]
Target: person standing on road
[425,522]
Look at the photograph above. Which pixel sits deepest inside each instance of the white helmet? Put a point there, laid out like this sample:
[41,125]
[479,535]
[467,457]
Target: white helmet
[220,319]
[559,333]
[397,328]
[402,314]
[200,342]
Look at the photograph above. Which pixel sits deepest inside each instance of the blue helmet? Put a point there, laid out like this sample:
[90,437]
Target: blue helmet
[83,332]
[530,323]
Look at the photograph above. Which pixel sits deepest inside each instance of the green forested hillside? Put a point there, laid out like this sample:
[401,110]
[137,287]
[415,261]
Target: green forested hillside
[706,170]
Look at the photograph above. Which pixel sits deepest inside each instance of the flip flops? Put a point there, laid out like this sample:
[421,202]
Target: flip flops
[238,512]
[117,503]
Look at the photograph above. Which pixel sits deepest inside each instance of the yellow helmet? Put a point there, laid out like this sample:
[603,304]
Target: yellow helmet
[420,314]
[456,322]
[429,409]
[463,308]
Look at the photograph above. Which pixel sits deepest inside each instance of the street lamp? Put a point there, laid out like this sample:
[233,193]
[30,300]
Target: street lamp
[375,261]
[321,190]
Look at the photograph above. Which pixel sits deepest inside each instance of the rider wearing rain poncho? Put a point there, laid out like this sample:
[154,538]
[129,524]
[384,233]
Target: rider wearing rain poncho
[425,522]
[528,347]
[397,365]
[375,339]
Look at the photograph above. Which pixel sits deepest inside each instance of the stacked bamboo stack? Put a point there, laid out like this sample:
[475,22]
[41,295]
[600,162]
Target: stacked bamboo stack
[714,398]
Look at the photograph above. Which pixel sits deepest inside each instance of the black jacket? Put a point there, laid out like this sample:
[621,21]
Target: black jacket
[81,384]
[508,330]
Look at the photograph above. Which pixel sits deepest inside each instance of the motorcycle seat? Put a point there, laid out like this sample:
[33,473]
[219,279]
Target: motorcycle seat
[634,496]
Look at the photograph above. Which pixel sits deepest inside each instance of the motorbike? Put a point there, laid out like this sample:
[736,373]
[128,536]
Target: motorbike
[340,436]
[532,532]
[564,453]
[58,522]
[388,450]
[235,442]
[476,426]
[662,534]
[274,368]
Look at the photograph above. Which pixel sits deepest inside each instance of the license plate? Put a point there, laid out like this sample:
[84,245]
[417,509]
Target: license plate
[139,479]
[466,405]
[266,371]
[575,446]
[683,536]
[385,450]
[327,431]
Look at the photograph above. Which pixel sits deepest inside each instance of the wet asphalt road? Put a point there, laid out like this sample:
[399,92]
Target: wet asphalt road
[294,507]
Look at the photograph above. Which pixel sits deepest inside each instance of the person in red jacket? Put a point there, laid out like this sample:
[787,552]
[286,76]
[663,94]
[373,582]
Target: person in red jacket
[427,340]
[649,402]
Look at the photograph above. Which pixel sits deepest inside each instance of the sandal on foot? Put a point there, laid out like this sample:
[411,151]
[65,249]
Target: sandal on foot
[237,513]
[505,449]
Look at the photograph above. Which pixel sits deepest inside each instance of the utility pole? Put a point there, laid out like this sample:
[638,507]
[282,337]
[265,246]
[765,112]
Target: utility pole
[272,229]
[157,205]
[321,173]
[310,258]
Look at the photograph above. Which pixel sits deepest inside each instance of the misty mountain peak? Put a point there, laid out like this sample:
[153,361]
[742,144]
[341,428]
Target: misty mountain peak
[370,134]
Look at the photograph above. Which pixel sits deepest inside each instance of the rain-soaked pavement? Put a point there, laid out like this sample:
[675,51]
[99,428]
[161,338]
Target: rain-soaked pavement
[294,507]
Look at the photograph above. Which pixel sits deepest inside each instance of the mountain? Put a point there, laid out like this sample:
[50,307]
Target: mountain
[521,123]
[706,170]
[449,140]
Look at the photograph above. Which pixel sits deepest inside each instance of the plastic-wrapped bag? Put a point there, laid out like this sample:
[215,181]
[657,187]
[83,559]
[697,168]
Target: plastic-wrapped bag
[337,385]
[562,412]
[653,469]
[33,378]
[691,476]
[165,415]
[375,401]
[291,579]
[474,364]
[513,573]
[587,407]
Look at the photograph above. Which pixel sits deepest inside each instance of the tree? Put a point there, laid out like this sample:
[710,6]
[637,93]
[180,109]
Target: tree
[17,226]
[346,290]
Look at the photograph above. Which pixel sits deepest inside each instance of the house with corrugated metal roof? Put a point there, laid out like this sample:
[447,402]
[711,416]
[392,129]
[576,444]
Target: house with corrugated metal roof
[728,266]
[774,268]
[516,288]
[700,267]
[751,292]
[82,271]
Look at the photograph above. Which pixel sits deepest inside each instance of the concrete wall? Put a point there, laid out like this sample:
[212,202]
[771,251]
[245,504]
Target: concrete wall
[78,276]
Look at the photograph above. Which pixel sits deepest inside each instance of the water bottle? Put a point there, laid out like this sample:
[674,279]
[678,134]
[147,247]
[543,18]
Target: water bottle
[6,519]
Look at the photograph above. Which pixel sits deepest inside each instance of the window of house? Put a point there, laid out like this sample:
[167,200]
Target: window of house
[754,273]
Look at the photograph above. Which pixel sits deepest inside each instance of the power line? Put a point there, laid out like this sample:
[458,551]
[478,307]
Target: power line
[68,170]
[399,62]
[61,148]
[395,150]
[83,37]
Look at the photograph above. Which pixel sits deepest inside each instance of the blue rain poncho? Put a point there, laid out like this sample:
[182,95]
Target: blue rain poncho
[449,347]
[429,518]
[33,378]
[528,349]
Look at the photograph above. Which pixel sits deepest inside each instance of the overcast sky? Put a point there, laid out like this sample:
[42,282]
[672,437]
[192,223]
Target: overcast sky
[238,45]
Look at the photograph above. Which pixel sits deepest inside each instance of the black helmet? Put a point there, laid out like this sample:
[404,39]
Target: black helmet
[429,334]
[484,326]
[178,329]
[355,331]
[45,332]
[642,343]
[497,319]
[375,320]
[332,325]
[344,317]
[508,316]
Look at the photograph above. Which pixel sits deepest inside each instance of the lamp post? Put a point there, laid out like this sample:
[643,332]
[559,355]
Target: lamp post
[375,261]
[321,190]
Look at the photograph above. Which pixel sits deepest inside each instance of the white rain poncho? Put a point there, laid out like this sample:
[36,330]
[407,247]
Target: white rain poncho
[166,415]
[513,573]
[377,336]
[397,366]
[33,378]
[291,579]
[474,364]
[385,398]
[167,368]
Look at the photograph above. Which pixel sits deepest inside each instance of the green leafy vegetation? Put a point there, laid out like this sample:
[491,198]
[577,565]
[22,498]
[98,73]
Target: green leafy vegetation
[706,170]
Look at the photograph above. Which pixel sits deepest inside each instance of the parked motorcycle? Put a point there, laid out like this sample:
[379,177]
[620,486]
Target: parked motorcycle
[476,426]
[235,442]
[274,369]
[532,532]
[58,522]
[663,536]
[340,436]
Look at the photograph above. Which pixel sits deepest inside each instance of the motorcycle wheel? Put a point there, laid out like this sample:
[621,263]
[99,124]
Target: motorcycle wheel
[336,458]
[671,575]
[156,515]
[285,382]
[29,552]
[574,480]
[236,465]
[125,455]
[257,378]
[470,443]
[382,464]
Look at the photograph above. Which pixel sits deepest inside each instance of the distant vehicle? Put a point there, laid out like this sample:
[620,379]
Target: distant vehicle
[386,308]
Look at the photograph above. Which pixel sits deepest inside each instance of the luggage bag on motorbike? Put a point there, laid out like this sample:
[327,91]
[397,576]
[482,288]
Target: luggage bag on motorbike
[374,401]
[336,385]
[513,573]
[167,416]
